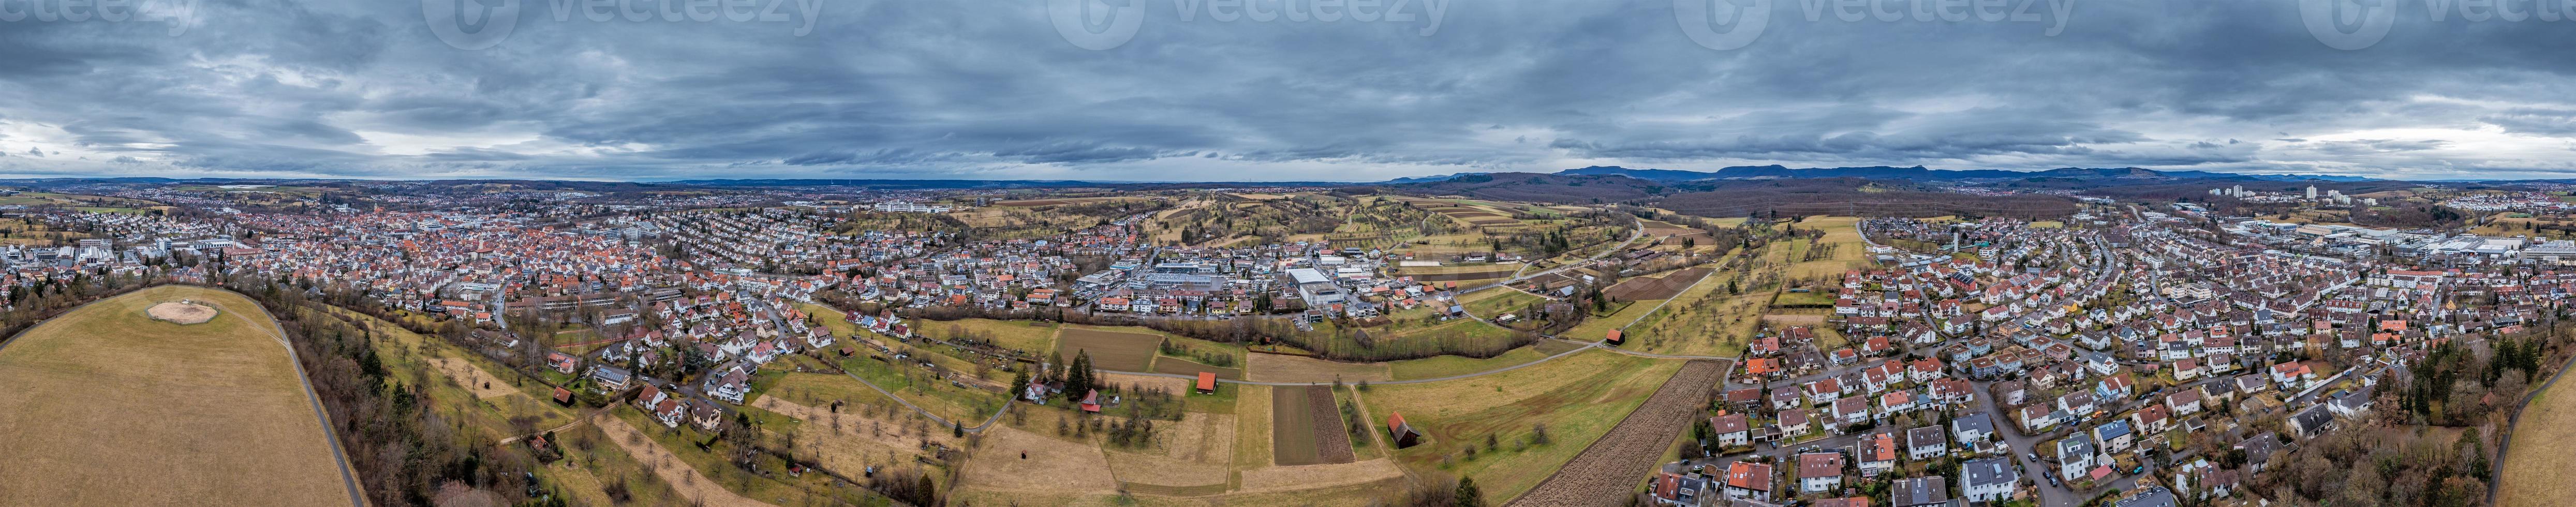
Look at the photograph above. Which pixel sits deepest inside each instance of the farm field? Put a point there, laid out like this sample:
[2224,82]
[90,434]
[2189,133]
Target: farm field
[1468,329]
[939,397]
[2535,468]
[1804,299]
[1497,301]
[1598,328]
[1658,287]
[1110,350]
[1252,446]
[590,464]
[1287,368]
[1189,457]
[673,468]
[109,407]
[1456,271]
[858,435]
[1030,203]
[1610,466]
[1702,320]
[24,231]
[1841,249]
[1009,334]
[1577,399]
[1306,427]
[1182,366]
[1443,366]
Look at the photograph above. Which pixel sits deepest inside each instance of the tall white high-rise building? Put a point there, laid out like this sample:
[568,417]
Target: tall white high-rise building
[2312,191]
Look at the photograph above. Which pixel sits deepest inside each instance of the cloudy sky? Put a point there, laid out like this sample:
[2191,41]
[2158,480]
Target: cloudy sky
[1172,90]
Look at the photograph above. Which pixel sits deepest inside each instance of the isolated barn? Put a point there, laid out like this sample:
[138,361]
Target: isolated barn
[1404,434]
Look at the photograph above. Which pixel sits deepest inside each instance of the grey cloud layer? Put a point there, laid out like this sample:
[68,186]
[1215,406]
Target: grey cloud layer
[987,89]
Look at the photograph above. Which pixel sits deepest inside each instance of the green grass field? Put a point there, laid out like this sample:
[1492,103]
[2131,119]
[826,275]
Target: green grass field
[1489,303]
[937,396]
[1577,398]
[1443,366]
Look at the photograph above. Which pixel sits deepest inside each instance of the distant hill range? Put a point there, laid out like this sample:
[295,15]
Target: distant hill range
[1919,173]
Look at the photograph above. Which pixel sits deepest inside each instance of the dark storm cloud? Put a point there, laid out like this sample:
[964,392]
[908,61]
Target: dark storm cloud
[988,89]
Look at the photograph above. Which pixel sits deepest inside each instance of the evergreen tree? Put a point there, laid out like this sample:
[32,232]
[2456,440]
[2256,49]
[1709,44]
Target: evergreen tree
[1468,495]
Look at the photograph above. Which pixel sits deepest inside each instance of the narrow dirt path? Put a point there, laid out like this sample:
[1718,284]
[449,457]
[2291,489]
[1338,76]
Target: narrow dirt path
[670,468]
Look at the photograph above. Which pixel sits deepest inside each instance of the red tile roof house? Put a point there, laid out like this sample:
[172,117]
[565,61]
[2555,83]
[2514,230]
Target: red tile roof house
[670,412]
[1877,454]
[1748,481]
[1091,401]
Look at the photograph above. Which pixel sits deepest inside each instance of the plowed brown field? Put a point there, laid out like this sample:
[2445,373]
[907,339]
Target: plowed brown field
[1607,470]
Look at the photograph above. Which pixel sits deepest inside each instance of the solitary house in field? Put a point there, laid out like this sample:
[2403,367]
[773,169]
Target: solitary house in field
[1091,401]
[1207,382]
[1615,337]
[1403,433]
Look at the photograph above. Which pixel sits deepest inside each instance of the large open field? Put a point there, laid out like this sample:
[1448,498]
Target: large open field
[1702,320]
[1576,398]
[1009,334]
[108,407]
[1497,301]
[2535,468]
[1306,427]
[1444,366]
[1286,368]
[1030,203]
[1659,287]
[1110,350]
[1611,465]
[1839,250]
